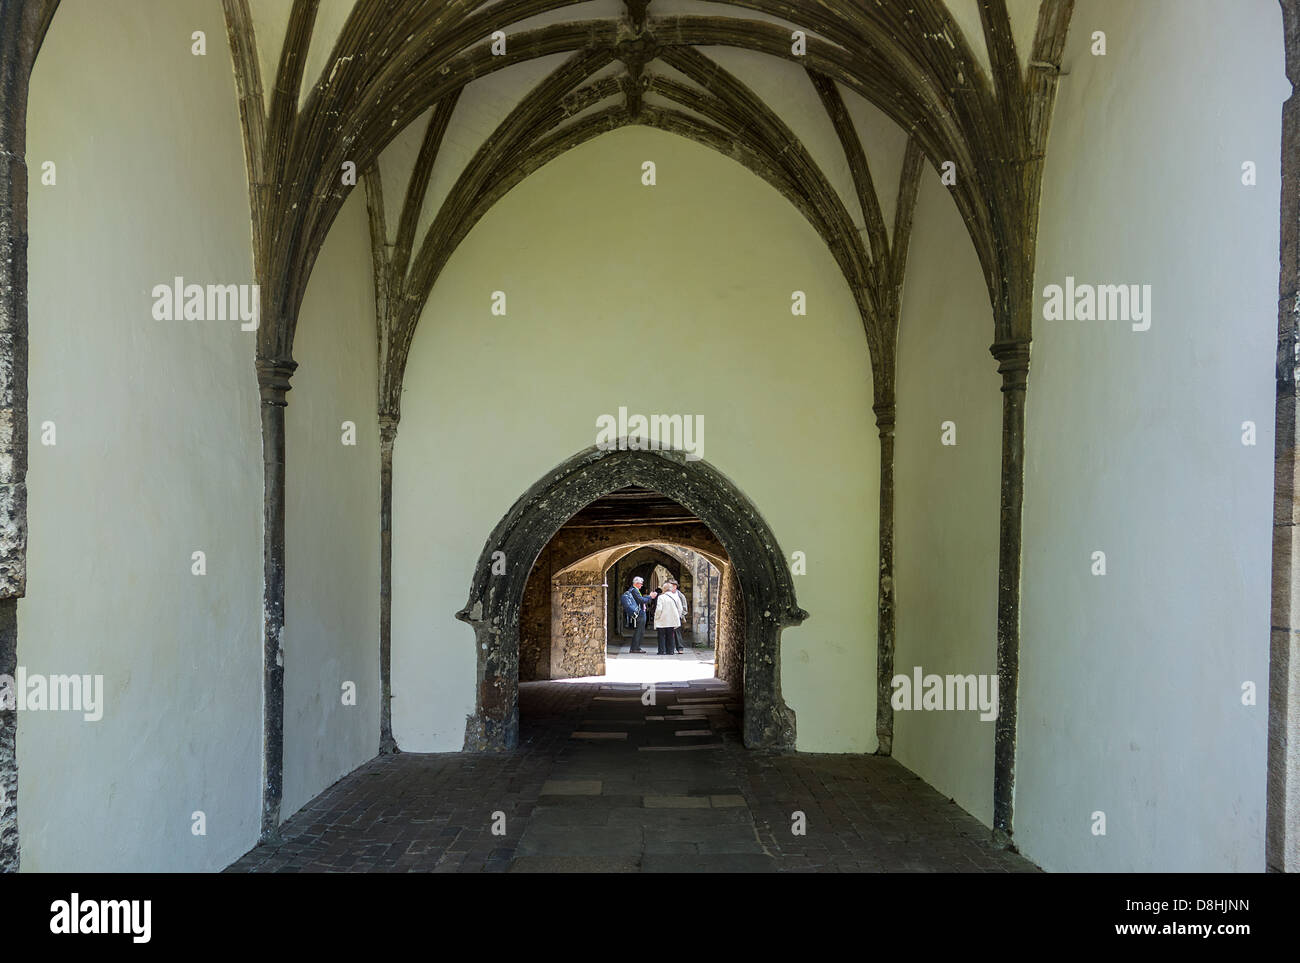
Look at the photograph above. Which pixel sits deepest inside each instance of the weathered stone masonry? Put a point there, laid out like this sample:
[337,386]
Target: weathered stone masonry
[273,382]
[1282,829]
[22,29]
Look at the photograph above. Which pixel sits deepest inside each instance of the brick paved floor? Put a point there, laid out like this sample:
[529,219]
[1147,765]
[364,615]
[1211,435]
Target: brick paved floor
[602,782]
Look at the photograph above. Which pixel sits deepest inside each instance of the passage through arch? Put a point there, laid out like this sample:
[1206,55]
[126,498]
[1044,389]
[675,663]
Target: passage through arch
[496,594]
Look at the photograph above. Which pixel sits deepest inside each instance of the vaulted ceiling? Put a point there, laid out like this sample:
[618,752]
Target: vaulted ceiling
[444,105]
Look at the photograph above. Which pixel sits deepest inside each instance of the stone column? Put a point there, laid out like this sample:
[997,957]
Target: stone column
[885,614]
[730,633]
[20,32]
[700,598]
[273,381]
[387,435]
[1282,820]
[1013,365]
[9,851]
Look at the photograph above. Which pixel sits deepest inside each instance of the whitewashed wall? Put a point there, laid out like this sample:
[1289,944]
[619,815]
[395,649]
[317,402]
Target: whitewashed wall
[158,451]
[1131,682]
[158,455]
[332,520]
[946,498]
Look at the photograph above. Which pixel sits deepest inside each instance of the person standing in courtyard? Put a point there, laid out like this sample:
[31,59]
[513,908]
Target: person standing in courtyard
[634,604]
[678,597]
[668,618]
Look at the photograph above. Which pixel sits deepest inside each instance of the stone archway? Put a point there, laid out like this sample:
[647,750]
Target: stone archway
[495,597]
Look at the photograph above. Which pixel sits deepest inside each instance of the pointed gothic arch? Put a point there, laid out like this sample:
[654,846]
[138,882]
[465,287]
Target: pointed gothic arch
[495,600]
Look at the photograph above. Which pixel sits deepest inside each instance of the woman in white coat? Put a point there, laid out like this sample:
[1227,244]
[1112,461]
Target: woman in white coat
[668,618]
[680,598]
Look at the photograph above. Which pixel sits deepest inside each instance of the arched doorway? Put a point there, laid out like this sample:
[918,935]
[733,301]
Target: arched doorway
[697,574]
[571,617]
[496,594]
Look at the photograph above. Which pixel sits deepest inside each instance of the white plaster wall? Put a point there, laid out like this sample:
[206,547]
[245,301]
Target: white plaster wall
[481,107]
[788,90]
[491,404]
[332,520]
[157,454]
[1131,682]
[946,498]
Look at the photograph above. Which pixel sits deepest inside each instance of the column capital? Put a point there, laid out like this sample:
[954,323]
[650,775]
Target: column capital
[273,376]
[885,416]
[388,421]
[1013,362]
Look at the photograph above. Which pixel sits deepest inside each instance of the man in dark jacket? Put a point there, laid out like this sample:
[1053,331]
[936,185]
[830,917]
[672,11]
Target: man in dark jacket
[634,604]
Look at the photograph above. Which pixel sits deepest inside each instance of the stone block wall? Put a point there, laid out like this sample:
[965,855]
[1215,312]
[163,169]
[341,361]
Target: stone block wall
[731,631]
[535,622]
[578,624]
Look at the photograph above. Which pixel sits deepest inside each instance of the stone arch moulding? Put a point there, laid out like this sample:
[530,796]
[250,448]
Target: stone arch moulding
[765,582]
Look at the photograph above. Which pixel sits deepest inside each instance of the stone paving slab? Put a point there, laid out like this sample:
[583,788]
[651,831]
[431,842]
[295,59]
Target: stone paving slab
[723,801]
[681,748]
[569,816]
[662,847]
[677,802]
[713,863]
[575,864]
[602,802]
[741,836]
[696,820]
[544,840]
